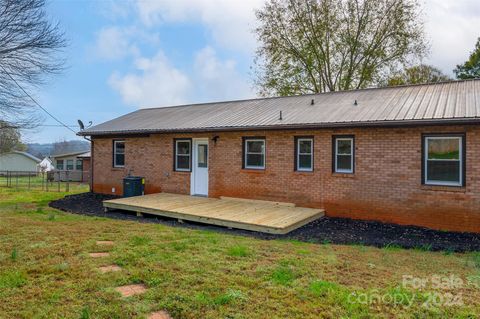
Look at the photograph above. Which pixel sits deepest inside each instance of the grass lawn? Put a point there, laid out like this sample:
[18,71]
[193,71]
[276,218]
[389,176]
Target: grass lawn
[46,272]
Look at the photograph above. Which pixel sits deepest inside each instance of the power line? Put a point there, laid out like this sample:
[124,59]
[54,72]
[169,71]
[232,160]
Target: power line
[38,104]
[56,125]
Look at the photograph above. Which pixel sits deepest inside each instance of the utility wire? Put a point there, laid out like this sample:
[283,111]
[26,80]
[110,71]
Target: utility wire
[56,125]
[38,104]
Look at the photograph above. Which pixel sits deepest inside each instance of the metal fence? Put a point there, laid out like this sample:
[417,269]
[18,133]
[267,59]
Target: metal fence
[54,181]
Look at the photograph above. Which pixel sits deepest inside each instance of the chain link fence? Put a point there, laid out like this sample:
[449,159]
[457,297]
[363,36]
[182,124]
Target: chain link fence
[53,181]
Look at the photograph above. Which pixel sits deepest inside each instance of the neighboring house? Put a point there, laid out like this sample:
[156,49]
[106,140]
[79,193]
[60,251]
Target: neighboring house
[45,165]
[406,155]
[17,161]
[72,166]
[85,157]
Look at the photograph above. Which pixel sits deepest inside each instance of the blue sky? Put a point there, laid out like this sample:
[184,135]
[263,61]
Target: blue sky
[127,54]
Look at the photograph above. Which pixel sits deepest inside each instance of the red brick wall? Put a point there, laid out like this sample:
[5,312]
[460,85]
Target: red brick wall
[386,185]
[86,170]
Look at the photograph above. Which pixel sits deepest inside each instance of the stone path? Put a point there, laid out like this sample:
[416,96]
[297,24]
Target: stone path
[105,243]
[131,290]
[99,255]
[127,290]
[159,315]
[109,268]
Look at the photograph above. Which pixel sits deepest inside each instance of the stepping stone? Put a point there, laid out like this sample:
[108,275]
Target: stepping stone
[105,242]
[110,268]
[159,315]
[131,290]
[99,255]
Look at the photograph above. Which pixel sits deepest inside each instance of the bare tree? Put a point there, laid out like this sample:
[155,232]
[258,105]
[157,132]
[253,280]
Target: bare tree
[311,46]
[29,51]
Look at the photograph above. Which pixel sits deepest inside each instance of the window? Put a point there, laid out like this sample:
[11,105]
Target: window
[118,153]
[79,166]
[183,155]
[444,160]
[343,154]
[70,165]
[254,153]
[60,165]
[202,155]
[304,154]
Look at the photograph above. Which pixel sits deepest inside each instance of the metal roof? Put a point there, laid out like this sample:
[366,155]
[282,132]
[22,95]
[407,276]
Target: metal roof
[30,156]
[77,154]
[446,102]
[85,155]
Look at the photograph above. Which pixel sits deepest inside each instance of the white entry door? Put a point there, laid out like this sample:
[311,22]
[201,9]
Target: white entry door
[199,181]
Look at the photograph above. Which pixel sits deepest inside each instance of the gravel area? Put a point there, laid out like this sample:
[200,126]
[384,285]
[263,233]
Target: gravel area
[325,230]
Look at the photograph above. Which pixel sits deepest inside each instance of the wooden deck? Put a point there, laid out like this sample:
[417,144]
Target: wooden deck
[254,215]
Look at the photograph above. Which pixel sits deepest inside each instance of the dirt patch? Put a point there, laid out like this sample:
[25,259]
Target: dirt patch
[325,230]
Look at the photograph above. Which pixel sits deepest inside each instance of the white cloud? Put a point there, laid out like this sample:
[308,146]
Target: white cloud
[114,43]
[229,22]
[155,83]
[453,28]
[219,79]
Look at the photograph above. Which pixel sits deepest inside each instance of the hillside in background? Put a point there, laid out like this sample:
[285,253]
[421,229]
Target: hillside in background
[62,147]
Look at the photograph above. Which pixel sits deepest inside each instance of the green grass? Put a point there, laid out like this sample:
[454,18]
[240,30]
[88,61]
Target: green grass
[322,288]
[238,251]
[45,271]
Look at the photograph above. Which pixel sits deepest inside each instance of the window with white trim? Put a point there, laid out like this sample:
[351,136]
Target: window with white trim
[183,155]
[118,153]
[443,160]
[60,165]
[69,165]
[304,154]
[254,153]
[343,154]
[79,165]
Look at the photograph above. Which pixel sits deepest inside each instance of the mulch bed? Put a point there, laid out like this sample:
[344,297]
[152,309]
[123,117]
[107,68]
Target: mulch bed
[325,230]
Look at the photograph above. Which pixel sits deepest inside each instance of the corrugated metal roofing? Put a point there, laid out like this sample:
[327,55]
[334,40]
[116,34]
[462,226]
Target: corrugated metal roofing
[455,101]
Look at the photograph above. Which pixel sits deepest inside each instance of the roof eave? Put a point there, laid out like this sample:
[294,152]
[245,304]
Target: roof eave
[401,123]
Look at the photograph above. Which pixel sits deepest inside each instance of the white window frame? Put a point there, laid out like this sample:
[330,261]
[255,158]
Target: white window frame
[460,159]
[352,155]
[63,165]
[76,165]
[189,155]
[303,139]
[73,165]
[115,153]
[247,140]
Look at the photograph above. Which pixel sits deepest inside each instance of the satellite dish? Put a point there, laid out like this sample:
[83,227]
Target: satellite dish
[80,123]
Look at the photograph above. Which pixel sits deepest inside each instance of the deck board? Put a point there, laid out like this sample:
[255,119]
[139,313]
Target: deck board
[262,216]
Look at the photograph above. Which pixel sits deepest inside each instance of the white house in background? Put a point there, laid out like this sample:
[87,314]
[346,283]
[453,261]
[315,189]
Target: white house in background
[45,165]
[19,162]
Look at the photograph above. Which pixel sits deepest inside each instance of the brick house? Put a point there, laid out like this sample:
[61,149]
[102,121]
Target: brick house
[72,166]
[406,155]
